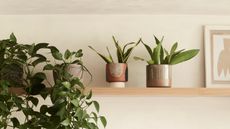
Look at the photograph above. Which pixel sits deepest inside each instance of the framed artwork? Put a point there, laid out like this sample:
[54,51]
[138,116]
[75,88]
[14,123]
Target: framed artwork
[217,56]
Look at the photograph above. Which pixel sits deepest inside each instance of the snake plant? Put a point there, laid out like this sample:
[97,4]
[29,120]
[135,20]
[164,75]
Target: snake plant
[123,52]
[159,55]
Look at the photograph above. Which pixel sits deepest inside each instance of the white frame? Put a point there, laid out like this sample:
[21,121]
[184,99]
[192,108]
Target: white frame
[210,31]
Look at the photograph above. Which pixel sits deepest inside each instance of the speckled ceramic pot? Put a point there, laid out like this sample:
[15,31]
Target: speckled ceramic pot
[159,75]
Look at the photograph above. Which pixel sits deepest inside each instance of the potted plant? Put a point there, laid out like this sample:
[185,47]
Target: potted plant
[158,70]
[70,100]
[10,58]
[117,72]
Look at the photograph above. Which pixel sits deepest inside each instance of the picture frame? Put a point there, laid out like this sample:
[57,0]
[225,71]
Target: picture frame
[217,56]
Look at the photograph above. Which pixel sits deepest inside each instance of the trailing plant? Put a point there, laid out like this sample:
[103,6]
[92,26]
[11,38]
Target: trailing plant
[70,100]
[123,52]
[159,55]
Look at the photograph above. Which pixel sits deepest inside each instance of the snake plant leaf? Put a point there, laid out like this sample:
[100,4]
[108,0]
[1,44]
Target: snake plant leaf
[148,49]
[175,54]
[184,56]
[150,62]
[119,51]
[138,58]
[157,40]
[157,54]
[126,45]
[107,60]
[129,51]
[110,56]
[173,49]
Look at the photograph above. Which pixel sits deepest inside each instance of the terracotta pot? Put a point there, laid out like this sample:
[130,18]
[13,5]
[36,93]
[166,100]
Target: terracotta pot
[158,75]
[117,72]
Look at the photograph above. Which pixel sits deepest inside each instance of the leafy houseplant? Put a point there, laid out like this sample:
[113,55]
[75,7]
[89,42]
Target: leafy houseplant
[70,100]
[159,66]
[117,73]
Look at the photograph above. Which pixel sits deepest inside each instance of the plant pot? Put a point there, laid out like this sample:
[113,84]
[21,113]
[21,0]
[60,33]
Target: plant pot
[116,72]
[75,70]
[159,75]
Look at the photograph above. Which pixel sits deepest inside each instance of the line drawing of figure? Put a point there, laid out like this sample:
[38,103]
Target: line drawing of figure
[224,58]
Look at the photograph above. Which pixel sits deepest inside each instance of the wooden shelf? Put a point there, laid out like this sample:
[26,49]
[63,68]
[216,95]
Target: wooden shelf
[101,91]
[162,91]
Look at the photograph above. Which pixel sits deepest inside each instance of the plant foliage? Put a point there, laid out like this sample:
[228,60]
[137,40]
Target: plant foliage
[123,52]
[70,100]
[159,55]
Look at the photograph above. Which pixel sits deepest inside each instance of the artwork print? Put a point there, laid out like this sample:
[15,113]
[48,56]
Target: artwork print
[217,56]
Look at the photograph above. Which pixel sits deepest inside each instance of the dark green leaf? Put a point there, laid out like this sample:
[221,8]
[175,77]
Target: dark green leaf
[57,55]
[33,100]
[149,50]
[39,60]
[48,67]
[89,95]
[103,121]
[79,53]
[3,107]
[15,122]
[96,105]
[67,54]
[39,46]
[13,38]
[43,109]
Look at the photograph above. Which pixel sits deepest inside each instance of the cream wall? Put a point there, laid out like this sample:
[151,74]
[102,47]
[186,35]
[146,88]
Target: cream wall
[123,112]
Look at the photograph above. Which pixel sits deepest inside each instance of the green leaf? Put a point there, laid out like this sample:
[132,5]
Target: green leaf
[43,109]
[39,46]
[39,60]
[48,67]
[15,122]
[150,62]
[66,122]
[31,49]
[67,54]
[75,102]
[173,49]
[184,56]
[89,95]
[138,58]
[79,53]
[149,50]
[110,56]
[107,60]
[157,54]
[95,116]
[157,40]
[13,38]
[119,51]
[103,121]
[33,100]
[3,107]
[66,84]
[96,105]
[57,55]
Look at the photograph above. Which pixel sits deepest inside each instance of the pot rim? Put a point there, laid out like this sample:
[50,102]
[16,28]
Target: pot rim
[117,63]
[158,65]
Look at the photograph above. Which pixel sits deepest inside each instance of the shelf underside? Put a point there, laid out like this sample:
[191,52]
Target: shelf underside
[98,91]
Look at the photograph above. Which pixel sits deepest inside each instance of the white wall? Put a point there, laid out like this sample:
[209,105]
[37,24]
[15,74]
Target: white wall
[123,112]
